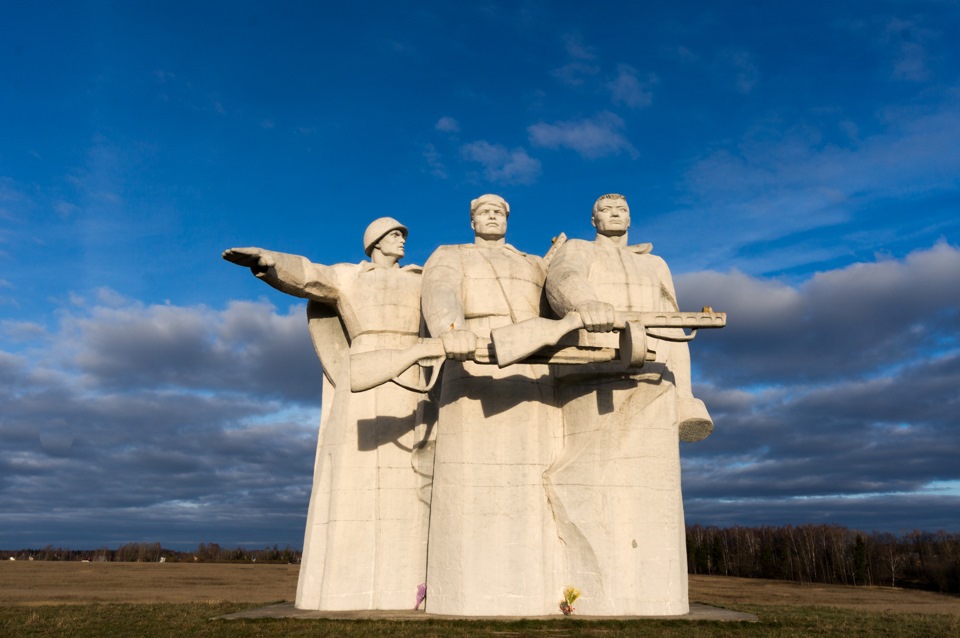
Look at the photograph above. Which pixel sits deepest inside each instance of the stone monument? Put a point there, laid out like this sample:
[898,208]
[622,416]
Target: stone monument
[556,471]
[366,536]
[615,486]
[493,541]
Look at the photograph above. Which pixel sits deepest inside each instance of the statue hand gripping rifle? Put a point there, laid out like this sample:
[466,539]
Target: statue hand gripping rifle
[501,503]
[365,542]
[539,340]
[615,486]
[503,440]
[492,547]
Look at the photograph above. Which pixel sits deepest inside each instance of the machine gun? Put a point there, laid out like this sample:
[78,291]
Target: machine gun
[518,341]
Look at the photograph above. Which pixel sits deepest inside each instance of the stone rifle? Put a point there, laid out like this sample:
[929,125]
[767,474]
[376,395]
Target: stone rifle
[536,340]
[370,369]
[518,341]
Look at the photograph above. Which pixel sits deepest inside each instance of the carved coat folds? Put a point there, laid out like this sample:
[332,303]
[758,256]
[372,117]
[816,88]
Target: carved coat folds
[493,542]
[367,502]
[616,485]
[531,478]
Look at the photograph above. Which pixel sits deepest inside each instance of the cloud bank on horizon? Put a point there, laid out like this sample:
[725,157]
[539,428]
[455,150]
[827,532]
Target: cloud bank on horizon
[796,167]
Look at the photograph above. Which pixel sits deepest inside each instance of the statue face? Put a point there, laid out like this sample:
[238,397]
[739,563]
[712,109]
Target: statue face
[612,217]
[489,221]
[392,244]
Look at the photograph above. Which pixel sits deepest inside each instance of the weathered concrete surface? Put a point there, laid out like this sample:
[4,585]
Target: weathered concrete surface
[493,542]
[365,542]
[615,487]
[530,478]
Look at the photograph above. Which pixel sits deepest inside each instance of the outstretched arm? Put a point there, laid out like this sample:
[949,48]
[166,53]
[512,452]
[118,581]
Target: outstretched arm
[291,274]
[256,259]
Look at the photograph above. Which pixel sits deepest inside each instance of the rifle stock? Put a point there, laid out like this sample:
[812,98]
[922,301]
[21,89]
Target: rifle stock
[370,369]
[518,341]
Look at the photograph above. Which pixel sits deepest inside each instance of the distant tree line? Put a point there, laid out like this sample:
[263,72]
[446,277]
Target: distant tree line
[154,553]
[805,553]
[828,554]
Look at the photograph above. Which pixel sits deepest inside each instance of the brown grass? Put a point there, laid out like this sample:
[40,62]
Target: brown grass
[57,583]
[725,591]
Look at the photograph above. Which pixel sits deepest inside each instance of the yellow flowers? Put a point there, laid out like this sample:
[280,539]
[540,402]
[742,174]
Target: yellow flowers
[570,594]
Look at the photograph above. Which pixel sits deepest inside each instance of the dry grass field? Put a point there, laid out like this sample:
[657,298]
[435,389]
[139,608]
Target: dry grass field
[40,599]
[55,583]
[68,583]
[732,592]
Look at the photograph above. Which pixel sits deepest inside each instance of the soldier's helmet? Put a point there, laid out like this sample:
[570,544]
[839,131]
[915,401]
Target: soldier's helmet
[377,229]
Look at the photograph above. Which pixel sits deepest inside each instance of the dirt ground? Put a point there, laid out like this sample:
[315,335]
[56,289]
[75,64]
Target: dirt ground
[47,583]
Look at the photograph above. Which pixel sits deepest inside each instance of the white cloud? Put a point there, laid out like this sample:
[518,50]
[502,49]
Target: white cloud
[684,54]
[502,165]
[14,203]
[853,322]
[911,63]
[909,41]
[896,513]
[403,48]
[775,184]
[65,209]
[575,73]
[579,67]
[218,407]
[434,161]
[447,124]
[117,343]
[737,66]
[627,88]
[595,137]
[16,331]
[115,391]
[837,389]
[576,49]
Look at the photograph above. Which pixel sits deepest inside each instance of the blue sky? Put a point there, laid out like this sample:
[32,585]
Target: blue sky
[796,165]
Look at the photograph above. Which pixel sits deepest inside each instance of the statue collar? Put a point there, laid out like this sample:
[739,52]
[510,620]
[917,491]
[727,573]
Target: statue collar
[503,246]
[369,265]
[640,249]
[637,249]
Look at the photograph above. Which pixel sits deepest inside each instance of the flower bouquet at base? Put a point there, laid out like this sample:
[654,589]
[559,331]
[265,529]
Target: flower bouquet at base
[570,594]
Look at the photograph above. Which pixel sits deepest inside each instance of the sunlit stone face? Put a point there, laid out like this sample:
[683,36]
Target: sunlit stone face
[612,217]
[489,221]
[392,244]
